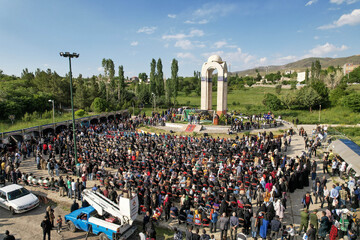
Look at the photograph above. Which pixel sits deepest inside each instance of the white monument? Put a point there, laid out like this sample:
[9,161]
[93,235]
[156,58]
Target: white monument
[214,62]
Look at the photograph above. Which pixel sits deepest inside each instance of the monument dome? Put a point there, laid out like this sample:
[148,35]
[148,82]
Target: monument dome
[215,58]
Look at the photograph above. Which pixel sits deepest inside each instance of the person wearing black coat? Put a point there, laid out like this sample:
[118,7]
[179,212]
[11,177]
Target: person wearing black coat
[46,226]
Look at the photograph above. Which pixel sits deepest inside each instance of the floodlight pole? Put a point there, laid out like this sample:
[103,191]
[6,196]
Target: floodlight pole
[73,55]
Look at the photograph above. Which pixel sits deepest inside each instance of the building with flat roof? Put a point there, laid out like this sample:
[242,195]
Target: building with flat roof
[349,67]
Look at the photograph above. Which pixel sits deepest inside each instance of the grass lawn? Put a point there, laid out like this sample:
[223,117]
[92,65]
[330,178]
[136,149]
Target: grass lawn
[248,101]
[351,132]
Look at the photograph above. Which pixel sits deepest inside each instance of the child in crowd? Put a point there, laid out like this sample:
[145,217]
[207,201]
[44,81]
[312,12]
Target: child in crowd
[59,223]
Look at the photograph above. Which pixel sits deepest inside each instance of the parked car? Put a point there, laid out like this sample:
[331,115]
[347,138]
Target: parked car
[17,199]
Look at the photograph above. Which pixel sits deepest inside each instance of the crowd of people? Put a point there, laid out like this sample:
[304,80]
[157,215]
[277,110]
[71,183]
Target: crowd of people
[203,182]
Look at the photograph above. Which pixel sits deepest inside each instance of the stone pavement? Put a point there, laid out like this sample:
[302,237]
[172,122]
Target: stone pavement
[294,205]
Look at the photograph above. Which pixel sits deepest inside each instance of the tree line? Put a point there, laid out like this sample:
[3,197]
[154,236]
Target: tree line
[324,88]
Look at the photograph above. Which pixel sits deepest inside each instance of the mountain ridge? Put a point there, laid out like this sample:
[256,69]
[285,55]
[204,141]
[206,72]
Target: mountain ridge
[300,65]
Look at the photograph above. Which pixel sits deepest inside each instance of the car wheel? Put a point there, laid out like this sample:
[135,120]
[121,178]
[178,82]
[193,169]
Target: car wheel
[12,211]
[71,226]
[103,236]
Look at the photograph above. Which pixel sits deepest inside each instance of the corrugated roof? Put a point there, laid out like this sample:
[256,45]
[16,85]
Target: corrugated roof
[349,151]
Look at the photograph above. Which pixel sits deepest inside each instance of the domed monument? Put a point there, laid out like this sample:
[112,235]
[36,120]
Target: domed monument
[214,62]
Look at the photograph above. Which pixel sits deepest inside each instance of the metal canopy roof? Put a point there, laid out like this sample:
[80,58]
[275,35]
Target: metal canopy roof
[349,151]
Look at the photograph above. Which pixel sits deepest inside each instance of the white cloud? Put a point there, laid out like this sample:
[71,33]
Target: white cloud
[263,60]
[196,33]
[338,2]
[203,21]
[236,58]
[316,37]
[134,43]
[171,15]
[324,50]
[211,9]
[311,2]
[166,45]
[184,44]
[193,33]
[185,55]
[100,69]
[351,19]
[147,30]
[175,36]
[220,44]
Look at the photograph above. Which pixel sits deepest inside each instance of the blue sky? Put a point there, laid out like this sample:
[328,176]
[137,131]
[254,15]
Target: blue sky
[246,34]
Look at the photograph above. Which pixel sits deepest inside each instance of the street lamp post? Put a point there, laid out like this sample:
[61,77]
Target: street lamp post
[70,56]
[53,107]
[320,113]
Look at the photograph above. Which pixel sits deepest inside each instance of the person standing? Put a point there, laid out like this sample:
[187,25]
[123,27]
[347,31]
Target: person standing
[213,221]
[189,233]
[275,226]
[224,225]
[324,226]
[314,220]
[8,236]
[307,200]
[46,226]
[234,223]
[304,220]
[311,233]
[254,226]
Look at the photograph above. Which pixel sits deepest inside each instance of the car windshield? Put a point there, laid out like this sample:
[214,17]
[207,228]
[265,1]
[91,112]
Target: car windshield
[18,193]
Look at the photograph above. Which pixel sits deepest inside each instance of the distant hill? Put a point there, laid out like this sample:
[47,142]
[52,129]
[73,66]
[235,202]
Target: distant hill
[301,65]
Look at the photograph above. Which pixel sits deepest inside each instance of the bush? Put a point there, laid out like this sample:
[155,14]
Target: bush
[99,105]
[278,88]
[26,117]
[80,112]
[352,101]
[271,101]
[46,114]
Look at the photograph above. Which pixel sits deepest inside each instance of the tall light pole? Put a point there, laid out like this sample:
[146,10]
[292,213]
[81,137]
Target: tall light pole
[53,106]
[320,113]
[70,56]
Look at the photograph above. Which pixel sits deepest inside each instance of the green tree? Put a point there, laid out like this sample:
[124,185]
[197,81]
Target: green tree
[272,102]
[321,88]
[289,100]
[81,96]
[121,84]
[159,78]
[109,71]
[352,101]
[153,76]
[175,78]
[278,89]
[307,76]
[143,77]
[336,94]
[354,76]
[99,105]
[307,97]
[258,76]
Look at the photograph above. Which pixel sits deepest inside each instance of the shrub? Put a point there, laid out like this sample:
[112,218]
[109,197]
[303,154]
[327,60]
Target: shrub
[99,105]
[46,114]
[278,88]
[271,101]
[26,117]
[80,112]
[352,101]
